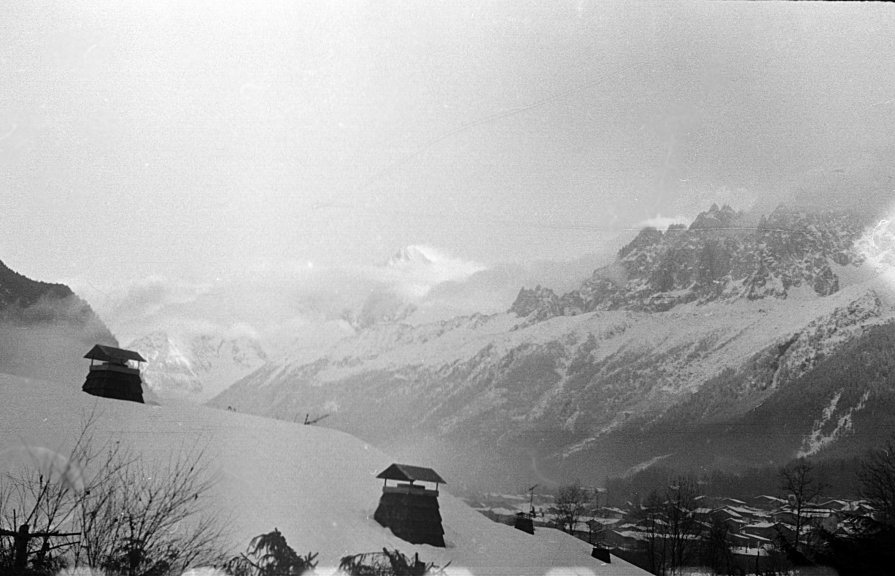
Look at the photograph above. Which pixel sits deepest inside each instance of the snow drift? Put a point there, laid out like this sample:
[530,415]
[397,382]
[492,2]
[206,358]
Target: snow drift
[316,485]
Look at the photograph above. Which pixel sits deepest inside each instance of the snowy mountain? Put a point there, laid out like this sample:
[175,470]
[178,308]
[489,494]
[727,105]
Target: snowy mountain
[409,256]
[721,256]
[317,486]
[45,329]
[195,366]
[403,286]
[680,347]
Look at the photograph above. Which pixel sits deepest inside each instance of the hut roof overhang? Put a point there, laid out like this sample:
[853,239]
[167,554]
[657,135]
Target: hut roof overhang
[110,353]
[408,473]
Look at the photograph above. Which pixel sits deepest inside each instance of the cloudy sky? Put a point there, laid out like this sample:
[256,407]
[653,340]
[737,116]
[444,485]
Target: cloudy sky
[156,140]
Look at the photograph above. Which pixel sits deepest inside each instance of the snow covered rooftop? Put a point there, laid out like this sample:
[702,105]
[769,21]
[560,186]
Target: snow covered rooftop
[109,353]
[408,473]
[317,485]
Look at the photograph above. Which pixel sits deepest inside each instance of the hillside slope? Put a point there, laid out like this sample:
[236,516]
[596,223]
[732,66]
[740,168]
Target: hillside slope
[688,331]
[45,329]
[529,400]
[316,485]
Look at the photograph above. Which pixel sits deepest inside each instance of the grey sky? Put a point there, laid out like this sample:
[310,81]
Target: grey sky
[160,139]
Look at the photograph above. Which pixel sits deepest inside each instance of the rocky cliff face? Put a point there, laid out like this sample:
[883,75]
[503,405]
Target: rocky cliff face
[701,345]
[721,256]
[45,329]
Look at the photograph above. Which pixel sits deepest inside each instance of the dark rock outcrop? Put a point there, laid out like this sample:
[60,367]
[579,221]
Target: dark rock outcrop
[45,329]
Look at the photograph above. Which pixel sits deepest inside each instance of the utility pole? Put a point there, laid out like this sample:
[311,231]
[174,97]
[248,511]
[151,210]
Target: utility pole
[531,501]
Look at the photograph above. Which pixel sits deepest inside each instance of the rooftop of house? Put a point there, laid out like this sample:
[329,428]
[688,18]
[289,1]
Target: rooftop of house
[408,473]
[105,353]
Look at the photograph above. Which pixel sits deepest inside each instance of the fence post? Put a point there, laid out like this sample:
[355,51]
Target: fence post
[20,547]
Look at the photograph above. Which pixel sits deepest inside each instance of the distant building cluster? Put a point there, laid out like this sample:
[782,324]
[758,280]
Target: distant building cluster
[753,527]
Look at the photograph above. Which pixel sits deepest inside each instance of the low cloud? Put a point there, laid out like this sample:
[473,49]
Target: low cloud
[661,222]
[48,339]
[877,246]
[864,186]
[280,301]
[293,306]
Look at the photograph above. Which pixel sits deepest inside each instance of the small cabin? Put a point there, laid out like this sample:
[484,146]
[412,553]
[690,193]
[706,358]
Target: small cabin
[114,376]
[409,506]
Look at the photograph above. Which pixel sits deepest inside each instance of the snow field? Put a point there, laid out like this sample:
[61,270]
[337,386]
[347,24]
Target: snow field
[315,485]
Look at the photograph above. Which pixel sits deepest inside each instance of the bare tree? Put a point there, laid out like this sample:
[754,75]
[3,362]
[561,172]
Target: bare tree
[153,520]
[652,521]
[103,508]
[716,546]
[802,486]
[877,477]
[41,498]
[571,502]
[670,526]
[683,528]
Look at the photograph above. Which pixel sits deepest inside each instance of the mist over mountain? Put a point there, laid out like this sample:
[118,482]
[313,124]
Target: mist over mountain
[694,345]
[862,187]
[45,329]
[277,309]
[196,366]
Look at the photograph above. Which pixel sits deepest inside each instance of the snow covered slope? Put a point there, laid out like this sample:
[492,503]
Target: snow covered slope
[316,485]
[689,329]
[196,366]
[510,393]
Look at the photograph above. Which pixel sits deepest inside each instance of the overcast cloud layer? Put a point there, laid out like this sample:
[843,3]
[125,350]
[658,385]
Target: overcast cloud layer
[198,143]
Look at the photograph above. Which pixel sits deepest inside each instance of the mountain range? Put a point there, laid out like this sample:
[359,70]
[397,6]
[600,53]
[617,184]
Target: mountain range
[735,341]
[195,366]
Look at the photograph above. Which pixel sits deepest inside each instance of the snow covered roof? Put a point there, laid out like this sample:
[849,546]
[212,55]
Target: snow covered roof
[408,473]
[105,353]
[632,534]
[747,511]
[769,498]
[760,525]
[606,521]
[317,485]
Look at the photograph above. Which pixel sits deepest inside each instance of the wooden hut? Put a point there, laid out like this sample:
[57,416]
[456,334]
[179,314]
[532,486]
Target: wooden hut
[114,377]
[409,507]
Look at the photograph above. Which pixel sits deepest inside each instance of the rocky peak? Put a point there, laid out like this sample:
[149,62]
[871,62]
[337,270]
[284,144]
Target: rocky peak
[645,239]
[540,301]
[408,255]
[718,257]
[717,218]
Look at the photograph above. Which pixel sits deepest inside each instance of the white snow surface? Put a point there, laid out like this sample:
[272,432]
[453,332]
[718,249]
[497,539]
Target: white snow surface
[817,439]
[729,334]
[314,484]
[195,366]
